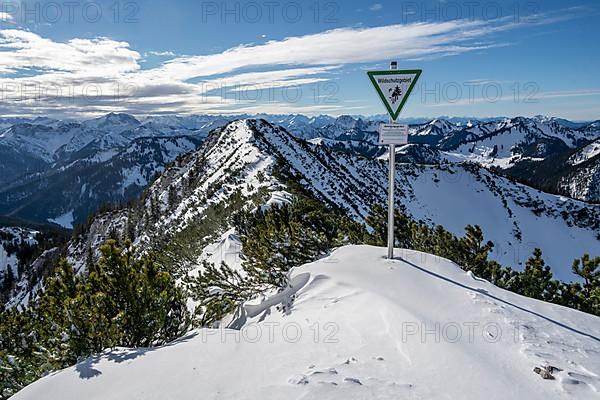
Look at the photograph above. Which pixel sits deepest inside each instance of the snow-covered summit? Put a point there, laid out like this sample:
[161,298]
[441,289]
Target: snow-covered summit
[114,121]
[588,152]
[358,326]
[437,127]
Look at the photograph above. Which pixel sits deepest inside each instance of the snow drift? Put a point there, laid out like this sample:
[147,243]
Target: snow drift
[357,326]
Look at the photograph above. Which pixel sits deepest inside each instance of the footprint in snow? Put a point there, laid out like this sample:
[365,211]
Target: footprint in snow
[298,380]
[354,381]
[327,383]
[330,371]
[578,379]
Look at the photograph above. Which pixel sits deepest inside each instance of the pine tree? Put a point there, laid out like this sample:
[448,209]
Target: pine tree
[131,222]
[89,257]
[443,243]
[377,220]
[54,308]
[274,241]
[473,254]
[536,281]
[172,196]
[140,299]
[154,209]
[127,300]
[571,296]
[589,269]
[22,358]
[219,290]
[9,280]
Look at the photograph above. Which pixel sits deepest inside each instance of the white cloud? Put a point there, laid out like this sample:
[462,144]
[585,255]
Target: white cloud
[568,93]
[99,57]
[376,7]
[177,84]
[5,17]
[339,46]
[161,53]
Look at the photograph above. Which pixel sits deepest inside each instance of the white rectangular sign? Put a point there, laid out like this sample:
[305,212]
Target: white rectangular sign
[393,134]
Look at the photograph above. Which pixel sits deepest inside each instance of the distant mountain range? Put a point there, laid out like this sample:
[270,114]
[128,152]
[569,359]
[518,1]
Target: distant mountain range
[62,171]
[445,177]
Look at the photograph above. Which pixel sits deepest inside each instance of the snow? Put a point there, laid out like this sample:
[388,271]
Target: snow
[65,220]
[492,143]
[588,152]
[227,249]
[7,262]
[456,198]
[278,197]
[357,326]
[17,235]
[133,176]
[235,150]
[437,127]
[21,235]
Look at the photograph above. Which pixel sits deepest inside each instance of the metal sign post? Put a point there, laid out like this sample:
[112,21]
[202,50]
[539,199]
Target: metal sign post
[393,88]
[391,206]
[391,186]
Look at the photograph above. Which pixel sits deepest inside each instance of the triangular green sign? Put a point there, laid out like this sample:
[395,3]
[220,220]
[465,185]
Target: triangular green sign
[394,87]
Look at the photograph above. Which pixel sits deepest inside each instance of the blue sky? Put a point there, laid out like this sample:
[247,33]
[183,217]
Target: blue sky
[479,58]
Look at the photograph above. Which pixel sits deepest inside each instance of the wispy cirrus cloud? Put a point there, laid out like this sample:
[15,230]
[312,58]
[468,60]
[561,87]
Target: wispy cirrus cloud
[533,96]
[339,46]
[161,53]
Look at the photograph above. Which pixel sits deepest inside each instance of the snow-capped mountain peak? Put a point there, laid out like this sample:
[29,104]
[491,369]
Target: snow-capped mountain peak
[437,127]
[117,122]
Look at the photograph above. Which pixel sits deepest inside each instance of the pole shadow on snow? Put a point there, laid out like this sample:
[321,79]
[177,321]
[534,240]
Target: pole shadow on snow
[562,325]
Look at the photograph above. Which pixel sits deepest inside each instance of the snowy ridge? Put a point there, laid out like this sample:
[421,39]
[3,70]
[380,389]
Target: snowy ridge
[358,326]
[588,152]
[241,163]
[227,163]
[584,182]
[503,143]
[437,127]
